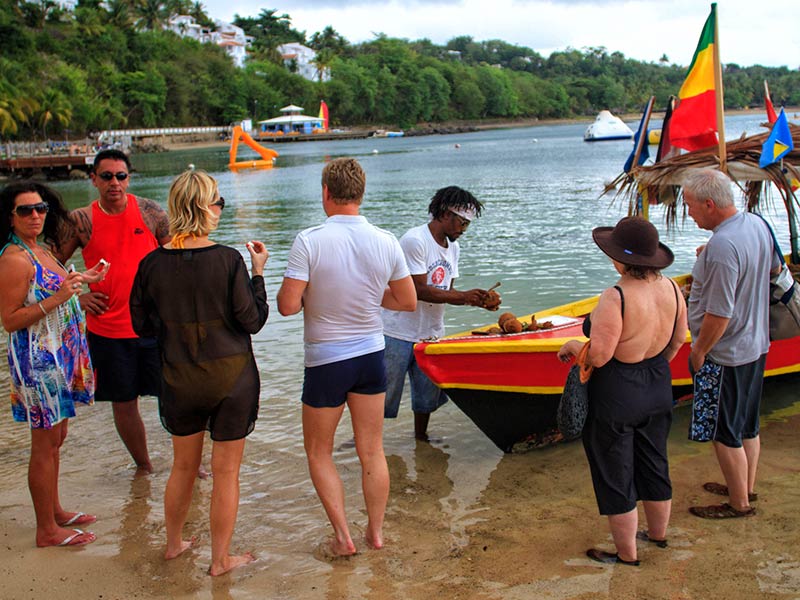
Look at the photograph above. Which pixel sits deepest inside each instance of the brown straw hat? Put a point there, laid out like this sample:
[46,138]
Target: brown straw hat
[633,241]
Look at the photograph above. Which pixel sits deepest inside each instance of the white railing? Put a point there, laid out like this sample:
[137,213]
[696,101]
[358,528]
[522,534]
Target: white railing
[149,132]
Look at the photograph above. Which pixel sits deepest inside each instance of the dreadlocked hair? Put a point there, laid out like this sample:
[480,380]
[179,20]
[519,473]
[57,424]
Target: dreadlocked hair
[453,197]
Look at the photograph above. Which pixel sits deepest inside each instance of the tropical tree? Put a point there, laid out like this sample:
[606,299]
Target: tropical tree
[119,13]
[54,109]
[151,14]
[16,109]
[36,13]
[329,40]
[199,14]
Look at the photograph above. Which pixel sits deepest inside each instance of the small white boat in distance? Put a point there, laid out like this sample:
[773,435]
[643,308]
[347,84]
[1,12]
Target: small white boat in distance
[607,127]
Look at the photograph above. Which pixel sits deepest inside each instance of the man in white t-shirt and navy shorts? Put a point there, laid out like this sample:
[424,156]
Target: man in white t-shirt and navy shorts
[432,254]
[340,274]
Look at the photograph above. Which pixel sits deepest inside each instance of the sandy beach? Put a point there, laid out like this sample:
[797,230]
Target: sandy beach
[507,527]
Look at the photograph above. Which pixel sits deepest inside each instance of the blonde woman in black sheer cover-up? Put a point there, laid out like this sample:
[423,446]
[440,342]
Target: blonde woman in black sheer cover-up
[196,297]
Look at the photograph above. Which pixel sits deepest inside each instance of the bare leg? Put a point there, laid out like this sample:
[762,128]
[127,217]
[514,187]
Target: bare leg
[226,457]
[623,530]
[733,463]
[187,452]
[42,474]
[131,430]
[367,415]
[319,427]
[752,449]
[421,426]
[657,514]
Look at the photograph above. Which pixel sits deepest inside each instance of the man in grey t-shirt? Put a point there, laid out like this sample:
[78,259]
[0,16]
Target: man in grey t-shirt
[729,321]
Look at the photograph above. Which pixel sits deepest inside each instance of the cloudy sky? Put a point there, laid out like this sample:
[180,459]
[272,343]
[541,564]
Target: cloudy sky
[765,32]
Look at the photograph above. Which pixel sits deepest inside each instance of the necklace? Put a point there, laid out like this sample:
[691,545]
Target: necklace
[100,204]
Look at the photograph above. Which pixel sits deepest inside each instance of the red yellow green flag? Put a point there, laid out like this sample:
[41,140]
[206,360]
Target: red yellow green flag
[694,121]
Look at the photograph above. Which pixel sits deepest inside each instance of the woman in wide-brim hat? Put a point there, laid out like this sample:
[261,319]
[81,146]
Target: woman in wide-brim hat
[636,329]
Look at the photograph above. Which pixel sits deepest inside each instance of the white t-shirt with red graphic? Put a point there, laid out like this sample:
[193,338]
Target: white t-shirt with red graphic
[424,257]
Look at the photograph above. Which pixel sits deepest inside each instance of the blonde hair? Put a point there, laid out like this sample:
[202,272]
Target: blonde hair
[345,180]
[190,196]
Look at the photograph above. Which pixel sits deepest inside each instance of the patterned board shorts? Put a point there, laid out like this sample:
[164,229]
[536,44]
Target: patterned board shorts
[727,402]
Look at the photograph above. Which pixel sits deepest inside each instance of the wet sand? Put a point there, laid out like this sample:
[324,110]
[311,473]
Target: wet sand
[464,521]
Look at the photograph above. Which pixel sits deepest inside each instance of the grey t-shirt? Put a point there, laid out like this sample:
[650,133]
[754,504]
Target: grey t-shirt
[731,280]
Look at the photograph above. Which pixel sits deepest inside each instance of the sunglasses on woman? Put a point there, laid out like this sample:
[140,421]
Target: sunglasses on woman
[220,203]
[26,210]
[108,175]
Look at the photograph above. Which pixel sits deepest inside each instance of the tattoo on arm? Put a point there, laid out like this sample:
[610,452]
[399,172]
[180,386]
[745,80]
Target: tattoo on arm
[156,219]
[74,232]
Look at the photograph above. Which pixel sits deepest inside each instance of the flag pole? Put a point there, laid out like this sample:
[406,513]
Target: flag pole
[723,157]
[637,152]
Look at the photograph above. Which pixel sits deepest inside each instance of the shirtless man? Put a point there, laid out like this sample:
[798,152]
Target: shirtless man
[120,228]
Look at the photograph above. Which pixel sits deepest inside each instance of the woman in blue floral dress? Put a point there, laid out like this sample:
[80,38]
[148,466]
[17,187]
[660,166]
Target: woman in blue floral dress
[47,351]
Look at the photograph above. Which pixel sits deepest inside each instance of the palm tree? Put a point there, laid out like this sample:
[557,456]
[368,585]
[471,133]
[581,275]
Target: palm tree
[16,107]
[53,108]
[151,13]
[119,13]
[199,14]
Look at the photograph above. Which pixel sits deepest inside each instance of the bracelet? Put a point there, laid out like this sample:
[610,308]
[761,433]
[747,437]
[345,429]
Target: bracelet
[44,312]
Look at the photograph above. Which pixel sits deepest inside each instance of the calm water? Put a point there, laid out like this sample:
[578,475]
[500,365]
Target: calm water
[540,187]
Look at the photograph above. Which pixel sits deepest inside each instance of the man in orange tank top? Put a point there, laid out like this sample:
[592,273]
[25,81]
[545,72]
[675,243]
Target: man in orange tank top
[120,228]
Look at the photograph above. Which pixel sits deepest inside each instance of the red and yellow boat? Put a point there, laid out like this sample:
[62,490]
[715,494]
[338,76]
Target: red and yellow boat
[509,385]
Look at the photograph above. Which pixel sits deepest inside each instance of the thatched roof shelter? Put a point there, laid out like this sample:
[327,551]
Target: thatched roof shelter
[661,182]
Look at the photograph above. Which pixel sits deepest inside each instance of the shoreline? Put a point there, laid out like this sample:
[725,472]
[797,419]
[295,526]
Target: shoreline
[443,128]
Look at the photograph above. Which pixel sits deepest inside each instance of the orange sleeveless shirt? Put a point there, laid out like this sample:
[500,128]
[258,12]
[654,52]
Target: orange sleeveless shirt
[123,240]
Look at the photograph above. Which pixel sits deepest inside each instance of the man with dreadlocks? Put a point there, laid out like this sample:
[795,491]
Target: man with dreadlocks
[432,253]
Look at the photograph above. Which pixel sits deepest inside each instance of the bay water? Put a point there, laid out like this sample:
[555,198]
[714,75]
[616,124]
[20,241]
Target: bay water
[541,190]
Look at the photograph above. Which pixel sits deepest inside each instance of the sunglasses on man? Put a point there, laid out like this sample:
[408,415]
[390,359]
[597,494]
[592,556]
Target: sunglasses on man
[26,210]
[108,175]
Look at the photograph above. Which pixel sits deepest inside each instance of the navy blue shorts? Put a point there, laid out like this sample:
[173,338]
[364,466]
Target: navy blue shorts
[327,386]
[125,368]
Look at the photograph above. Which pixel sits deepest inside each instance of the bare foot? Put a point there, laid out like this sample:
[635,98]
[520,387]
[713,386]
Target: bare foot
[184,546]
[66,519]
[374,541]
[65,537]
[330,550]
[144,469]
[229,563]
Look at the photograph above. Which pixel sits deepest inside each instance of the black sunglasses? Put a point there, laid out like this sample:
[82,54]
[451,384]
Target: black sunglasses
[220,203]
[26,210]
[108,175]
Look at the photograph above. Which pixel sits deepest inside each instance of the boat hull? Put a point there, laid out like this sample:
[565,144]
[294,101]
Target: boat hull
[510,385]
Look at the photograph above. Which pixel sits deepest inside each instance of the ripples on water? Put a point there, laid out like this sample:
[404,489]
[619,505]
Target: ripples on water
[540,187]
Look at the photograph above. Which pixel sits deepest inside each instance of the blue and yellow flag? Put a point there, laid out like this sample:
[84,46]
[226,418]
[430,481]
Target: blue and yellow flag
[640,139]
[778,144]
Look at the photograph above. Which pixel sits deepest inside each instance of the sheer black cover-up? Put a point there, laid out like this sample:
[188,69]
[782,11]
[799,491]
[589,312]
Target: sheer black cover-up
[203,307]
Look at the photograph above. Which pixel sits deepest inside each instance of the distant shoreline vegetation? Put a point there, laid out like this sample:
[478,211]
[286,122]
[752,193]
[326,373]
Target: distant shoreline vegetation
[66,72]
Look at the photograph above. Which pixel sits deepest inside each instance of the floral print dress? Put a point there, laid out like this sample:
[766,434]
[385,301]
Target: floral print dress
[49,360]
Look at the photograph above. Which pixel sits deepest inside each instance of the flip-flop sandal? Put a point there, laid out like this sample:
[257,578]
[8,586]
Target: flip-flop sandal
[644,536]
[608,558]
[720,489]
[720,511]
[79,518]
[70,539]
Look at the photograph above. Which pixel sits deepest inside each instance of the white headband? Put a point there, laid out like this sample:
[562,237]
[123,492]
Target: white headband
[464,213]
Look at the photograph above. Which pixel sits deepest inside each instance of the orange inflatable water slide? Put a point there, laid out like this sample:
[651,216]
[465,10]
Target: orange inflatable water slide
[267,155]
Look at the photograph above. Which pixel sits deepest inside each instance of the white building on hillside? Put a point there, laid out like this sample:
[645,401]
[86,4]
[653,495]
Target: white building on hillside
[300,59]
[229,36]
[185,26]
[233,39]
